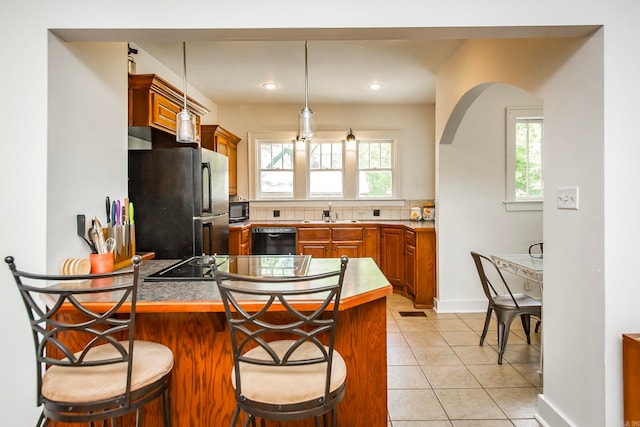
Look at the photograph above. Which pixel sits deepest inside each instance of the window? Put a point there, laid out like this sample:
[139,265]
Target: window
[524,157]
[276,169]
[323,168]
[375,172]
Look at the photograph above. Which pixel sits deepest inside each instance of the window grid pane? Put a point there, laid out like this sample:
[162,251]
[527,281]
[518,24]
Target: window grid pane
[528,170]
[325,169]
[375,177]
[276,169]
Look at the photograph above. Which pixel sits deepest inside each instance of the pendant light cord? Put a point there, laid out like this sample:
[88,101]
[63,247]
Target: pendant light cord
[184,71]
[306,77]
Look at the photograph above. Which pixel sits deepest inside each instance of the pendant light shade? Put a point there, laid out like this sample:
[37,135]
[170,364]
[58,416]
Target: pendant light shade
[185,120]
[306,123]
[350,136]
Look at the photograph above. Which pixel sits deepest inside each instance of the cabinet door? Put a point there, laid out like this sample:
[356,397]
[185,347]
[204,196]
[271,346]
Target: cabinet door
[233,169]
[217,138]
[315,249]
[392,255]
[350,249]
[370,245]
[425,269]
[410,269]
[163,112]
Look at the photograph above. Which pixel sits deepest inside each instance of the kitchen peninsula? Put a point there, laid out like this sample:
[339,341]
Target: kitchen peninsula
[188,317]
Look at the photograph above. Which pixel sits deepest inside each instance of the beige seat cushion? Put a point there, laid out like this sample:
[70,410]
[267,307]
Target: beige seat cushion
[288,384]
[151,362]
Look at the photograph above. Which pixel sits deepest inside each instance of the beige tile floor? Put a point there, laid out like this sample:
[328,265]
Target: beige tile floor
[438,375]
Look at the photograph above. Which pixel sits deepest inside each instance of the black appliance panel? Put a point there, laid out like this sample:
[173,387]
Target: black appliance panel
[273,240]
[166,186]
[197,268]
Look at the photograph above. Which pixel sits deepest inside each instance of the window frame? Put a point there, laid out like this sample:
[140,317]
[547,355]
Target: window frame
[301,164]
[512,203]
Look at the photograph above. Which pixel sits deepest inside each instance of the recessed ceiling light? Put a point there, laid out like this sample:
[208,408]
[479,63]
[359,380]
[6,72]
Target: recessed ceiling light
[270,85]
[374,86]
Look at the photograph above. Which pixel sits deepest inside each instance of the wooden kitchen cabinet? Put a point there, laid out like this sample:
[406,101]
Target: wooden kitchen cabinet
[155,102]
[217,138]
[631,378]
[347,241]
[392,255]
[240,240]
[410,262]
[331,241]
[314,241]
[424,272]
[371,243]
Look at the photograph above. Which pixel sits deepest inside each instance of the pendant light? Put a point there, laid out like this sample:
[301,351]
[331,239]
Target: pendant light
[185,120]
[351,140]
[306,124]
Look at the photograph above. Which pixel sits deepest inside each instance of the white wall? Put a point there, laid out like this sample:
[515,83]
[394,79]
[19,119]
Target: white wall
[87,157]
[415,121]
[570,86]
[471,193]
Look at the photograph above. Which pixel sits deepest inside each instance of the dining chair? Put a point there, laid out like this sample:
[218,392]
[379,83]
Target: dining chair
[506,306]
[282,332]
[89,365]
[536,249]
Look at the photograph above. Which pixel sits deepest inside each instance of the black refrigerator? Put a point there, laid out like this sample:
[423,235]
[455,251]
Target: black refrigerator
[181,201]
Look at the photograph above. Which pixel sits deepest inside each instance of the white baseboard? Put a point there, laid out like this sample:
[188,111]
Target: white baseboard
[460,306]
[548,415]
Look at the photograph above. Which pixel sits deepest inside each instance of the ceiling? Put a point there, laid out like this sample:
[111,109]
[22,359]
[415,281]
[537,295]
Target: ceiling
[230,65]
[232,72]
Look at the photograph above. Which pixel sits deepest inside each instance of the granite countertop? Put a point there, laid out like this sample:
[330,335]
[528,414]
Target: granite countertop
[363,282]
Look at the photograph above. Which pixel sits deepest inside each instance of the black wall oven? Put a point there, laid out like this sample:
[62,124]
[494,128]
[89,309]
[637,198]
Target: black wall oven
[239,211]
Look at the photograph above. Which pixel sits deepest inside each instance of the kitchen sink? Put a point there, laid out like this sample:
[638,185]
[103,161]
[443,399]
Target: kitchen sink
[340,221]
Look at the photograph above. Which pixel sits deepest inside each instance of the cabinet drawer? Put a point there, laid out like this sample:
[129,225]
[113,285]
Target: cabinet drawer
[347,233]
[410,238]
[244,237]
[314,233]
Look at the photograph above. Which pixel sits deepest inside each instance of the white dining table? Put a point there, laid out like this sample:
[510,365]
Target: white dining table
[527,266]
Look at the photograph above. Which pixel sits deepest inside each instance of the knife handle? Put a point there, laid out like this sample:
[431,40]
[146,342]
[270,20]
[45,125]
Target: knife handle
[125,210]
[107,205]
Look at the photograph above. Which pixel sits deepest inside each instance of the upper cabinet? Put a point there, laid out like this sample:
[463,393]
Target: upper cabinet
[155,102]
[217,138]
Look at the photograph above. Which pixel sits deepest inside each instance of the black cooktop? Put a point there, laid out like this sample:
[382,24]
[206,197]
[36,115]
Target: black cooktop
[197,268]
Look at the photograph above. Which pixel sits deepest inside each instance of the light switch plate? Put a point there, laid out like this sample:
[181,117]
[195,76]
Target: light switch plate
[568,198]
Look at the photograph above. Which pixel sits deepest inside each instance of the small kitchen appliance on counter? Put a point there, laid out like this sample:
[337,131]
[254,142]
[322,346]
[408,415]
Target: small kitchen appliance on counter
[238,211]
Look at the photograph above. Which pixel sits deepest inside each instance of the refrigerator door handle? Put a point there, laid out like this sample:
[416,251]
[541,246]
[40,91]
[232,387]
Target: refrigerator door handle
[206,204]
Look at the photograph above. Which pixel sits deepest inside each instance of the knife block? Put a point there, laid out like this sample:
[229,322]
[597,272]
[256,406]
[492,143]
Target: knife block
[125,249]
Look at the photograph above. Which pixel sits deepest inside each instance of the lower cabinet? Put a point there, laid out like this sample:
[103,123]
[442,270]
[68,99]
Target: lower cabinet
[314,241]
[406,256]
[347,241]
[240,241]
[424,271]
[392,255]
[331,241]
[408,260]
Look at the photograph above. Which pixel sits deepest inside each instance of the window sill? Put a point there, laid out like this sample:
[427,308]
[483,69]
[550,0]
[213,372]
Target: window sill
[511,206]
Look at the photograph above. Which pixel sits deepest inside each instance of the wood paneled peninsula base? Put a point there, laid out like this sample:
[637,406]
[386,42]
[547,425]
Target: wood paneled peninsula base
[188,317]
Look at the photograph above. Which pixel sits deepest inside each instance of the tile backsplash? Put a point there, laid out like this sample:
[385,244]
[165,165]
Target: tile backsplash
[362,213]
